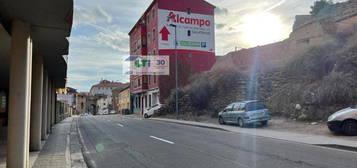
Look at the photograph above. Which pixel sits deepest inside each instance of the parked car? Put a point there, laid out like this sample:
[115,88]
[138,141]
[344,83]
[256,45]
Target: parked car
[344,121]
[244,113]
[151,110]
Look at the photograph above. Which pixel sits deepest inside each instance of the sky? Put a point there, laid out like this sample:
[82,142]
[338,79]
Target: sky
[99,41]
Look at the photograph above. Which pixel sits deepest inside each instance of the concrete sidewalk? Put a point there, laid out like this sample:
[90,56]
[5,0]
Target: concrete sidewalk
[62,148]
[281,135]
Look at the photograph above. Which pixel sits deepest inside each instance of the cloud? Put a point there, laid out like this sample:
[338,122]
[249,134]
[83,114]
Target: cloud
[221,11]
[98,56]
[275,6]
[90,16]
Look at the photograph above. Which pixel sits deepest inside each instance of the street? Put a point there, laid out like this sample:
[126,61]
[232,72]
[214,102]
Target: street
[118,141]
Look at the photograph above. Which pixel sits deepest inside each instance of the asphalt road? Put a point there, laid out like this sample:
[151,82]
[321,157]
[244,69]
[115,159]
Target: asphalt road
[116,141]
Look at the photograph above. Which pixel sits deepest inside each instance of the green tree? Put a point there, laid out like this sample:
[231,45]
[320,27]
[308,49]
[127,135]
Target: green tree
[320,4]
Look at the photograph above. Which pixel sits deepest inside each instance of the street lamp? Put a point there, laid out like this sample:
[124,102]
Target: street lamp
[176,72]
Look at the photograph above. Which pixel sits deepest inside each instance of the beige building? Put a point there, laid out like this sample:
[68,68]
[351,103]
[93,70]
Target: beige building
[81,103]
[124,100]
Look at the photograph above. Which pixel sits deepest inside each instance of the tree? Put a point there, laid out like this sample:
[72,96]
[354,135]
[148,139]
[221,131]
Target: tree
[319,5]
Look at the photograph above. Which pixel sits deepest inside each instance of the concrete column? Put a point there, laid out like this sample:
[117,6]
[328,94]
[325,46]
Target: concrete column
[53,106]
[19,96]
[44,106]
[49,104]
[36,103]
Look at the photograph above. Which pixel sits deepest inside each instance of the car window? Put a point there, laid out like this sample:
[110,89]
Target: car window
[229,108]
[254,106]
[237,107]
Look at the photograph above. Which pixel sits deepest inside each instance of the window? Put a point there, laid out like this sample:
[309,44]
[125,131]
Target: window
[153,34]
[254,106]
[189,11]
[148,19]
[154,78]
[146,101]
[149,100]
[153,13]
[229,108]
[188,32]
[237,107]
[136,102]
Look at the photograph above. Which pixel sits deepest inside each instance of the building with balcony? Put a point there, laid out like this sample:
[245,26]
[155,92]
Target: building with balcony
[188,22]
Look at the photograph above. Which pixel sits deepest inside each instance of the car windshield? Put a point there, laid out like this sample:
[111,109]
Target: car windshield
[254,106]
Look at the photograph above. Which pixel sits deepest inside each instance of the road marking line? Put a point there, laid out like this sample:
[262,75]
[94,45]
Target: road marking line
[120,125]
[163,140]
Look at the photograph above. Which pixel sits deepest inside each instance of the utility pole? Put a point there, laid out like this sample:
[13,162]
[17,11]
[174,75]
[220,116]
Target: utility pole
[176,71]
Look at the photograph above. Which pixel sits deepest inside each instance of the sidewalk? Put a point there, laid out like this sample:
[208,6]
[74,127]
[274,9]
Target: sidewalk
[55,153]
[62,148]
[281,135]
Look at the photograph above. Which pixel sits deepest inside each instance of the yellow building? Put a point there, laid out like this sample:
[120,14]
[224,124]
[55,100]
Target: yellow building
[124,100]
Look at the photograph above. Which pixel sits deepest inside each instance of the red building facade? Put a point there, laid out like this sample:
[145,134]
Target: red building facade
[154,34]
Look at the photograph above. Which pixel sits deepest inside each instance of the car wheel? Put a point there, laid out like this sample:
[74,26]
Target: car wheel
[146,116]
[221,121]
[349,127]
[241,123]
[264,123]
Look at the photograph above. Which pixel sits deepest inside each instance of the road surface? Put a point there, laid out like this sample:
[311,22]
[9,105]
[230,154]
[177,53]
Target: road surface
[117,141]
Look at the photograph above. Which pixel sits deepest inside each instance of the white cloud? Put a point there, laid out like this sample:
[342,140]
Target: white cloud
[90,16]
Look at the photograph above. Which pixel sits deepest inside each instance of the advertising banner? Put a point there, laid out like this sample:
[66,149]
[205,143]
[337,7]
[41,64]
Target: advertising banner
[194,31]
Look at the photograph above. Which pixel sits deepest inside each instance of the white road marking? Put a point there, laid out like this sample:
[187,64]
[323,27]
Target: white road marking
[120,125]
[163,140]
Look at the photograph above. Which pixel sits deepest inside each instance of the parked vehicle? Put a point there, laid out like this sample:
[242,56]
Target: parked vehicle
[244,113]
[151,110]
[344,121]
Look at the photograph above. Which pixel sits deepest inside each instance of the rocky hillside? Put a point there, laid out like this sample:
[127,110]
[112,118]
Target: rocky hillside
[310,87]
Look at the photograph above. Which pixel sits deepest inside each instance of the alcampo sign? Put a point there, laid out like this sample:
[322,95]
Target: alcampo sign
[194,31]
[175,17]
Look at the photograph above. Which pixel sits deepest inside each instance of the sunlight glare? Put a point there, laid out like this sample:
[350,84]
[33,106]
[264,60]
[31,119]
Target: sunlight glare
[262,28]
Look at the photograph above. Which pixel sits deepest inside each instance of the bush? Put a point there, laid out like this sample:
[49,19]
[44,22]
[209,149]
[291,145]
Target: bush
[200,92]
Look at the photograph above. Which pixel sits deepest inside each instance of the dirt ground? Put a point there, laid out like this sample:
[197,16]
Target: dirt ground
[281,124]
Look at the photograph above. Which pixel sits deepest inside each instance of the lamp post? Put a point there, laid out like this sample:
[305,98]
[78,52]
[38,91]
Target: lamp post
[176,71]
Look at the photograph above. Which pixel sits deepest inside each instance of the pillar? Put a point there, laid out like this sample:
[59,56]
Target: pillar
[49,106]
[36,103]
[53,106]
[44,106]
[19,96]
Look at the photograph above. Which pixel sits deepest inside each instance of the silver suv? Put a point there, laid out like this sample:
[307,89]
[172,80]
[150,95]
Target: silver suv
[245,112]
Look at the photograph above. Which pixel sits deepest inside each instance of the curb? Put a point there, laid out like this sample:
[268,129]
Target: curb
[85,152]
[194,125]
[76,149]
